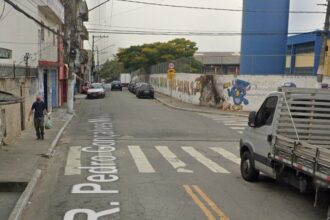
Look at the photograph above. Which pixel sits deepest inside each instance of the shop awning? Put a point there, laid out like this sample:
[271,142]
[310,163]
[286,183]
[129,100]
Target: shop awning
[8,98]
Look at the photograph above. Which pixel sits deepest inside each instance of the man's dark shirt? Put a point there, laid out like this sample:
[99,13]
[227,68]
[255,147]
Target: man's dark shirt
[39,108]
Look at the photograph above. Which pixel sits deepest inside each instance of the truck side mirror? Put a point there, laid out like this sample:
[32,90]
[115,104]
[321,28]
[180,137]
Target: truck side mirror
[252,119]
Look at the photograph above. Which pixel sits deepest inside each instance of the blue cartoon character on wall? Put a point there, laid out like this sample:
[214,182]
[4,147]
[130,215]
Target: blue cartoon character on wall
[238,92]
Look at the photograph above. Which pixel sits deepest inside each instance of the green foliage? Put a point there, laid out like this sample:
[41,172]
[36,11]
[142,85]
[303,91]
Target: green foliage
[111,69]
[146,55]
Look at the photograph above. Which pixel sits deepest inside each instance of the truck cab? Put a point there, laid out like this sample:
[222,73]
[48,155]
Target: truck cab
[288,139]
[255,144]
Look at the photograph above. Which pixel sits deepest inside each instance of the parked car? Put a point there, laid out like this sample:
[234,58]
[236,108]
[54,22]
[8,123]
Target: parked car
[131,86]
[96,90]
[107,86]
[116,85]
[145,90]
[84,88]
[136,86]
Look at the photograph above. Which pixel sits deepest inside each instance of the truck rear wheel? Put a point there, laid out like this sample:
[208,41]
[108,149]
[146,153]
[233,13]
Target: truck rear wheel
[328,214]
[248,172]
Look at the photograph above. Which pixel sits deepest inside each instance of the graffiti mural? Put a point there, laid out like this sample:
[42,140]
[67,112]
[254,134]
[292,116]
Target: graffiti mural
[238,92]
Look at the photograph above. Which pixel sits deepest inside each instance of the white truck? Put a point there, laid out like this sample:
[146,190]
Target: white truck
[288,139]
[125,79]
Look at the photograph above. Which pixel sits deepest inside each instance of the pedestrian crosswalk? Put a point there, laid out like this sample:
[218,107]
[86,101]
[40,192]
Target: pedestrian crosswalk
[182,159]
[237,123]
[143,164]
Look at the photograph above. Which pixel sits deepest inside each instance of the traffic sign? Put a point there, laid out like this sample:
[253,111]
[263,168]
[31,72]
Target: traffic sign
[171,74]
[171,66]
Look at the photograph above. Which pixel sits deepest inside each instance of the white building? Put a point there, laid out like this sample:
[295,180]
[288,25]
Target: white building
[28,39]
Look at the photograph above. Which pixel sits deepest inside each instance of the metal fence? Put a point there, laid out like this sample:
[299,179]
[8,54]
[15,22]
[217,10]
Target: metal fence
[182,65]
[298,64]
[12,71]
[208,65]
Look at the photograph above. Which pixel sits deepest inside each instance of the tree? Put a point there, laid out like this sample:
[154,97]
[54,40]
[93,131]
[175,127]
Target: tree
[111,69]
[146,55]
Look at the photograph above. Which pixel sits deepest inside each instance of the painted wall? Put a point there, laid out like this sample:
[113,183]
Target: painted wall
[186,87]
[244,92]
[253,90]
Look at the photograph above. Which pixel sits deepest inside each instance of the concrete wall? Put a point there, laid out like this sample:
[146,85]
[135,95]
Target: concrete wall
[186,87]
[228,92]
[12,113]
[248,92]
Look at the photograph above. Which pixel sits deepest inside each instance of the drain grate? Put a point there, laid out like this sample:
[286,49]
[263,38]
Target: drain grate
[12,186]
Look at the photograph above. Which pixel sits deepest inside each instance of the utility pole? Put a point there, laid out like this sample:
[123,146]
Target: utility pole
[320,71]
[26,59]
[71,34]
[93,60]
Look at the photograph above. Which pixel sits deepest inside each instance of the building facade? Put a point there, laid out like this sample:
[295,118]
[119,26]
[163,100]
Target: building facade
[35,63]
[264,37]
[303,54]
[51,13]
[219,62]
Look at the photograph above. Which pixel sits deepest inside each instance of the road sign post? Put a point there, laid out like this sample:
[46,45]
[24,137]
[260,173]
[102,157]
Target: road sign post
[170,76]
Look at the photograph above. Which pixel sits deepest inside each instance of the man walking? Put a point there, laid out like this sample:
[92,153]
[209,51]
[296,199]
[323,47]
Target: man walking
[39,108]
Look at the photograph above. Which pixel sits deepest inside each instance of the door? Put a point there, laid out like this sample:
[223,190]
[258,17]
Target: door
[264,128]
[54,87]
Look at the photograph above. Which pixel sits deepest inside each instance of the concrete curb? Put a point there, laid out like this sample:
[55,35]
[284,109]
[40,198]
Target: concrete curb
[24,198]
[197,110]
[51,150]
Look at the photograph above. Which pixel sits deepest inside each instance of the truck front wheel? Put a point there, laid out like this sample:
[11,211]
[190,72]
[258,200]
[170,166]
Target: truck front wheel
[248,172]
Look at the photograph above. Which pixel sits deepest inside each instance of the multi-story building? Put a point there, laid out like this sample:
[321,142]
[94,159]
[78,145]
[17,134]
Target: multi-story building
[35,62]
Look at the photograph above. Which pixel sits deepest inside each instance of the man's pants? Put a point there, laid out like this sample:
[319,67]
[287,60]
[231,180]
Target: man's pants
[39,126]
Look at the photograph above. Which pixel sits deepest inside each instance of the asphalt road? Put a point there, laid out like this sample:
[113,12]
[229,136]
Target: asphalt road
[156,164]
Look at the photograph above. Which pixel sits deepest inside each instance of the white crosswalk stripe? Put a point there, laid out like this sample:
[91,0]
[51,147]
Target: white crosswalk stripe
[73,161]
[237,123]
[226,154]
[144,164]
[176,163]
[214,167]
[140,159]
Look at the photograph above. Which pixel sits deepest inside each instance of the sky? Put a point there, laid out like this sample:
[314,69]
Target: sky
[118,15]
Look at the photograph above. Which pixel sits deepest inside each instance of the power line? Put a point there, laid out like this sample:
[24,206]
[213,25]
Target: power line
[219,9]
[172,30]
[179,33]
[98,5]
[3,9]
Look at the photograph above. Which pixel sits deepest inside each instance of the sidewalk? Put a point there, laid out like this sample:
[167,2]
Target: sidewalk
[19,160]
[177,104]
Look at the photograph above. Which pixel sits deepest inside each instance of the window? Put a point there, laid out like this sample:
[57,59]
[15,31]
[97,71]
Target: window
[305,48]
[42,34]
[265,114]
[54,39]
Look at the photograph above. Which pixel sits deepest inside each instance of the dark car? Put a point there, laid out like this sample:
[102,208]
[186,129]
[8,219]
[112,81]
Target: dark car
[145,90]
[137,86]
[131,86]
[116,85]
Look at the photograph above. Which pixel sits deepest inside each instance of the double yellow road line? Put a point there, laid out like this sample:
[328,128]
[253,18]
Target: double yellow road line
[195,193]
